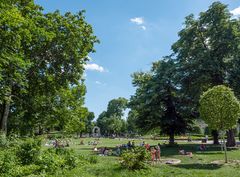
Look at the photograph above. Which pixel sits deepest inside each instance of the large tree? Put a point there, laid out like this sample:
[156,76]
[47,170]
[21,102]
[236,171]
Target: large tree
[205,50]
[220,109]
[157,100]
[41,55]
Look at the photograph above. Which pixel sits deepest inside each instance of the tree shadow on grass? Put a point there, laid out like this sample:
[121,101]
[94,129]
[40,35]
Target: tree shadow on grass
[194,148]
[199,166]
[209,153]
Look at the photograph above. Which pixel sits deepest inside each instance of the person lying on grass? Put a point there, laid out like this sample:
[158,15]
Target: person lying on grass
[182,152]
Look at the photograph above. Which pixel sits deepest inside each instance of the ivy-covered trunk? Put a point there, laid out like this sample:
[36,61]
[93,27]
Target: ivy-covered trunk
[230,138]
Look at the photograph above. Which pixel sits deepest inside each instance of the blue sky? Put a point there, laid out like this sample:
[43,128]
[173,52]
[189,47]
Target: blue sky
[133,34]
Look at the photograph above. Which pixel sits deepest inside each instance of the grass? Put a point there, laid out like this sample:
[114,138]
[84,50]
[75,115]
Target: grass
[199,165]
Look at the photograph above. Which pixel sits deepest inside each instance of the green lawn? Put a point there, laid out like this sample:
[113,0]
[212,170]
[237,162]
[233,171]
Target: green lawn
[199,165]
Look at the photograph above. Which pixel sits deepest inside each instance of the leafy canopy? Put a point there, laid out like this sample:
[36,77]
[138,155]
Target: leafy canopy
[219,108]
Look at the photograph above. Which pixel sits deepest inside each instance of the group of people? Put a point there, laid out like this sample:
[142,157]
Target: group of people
[155,153]
[58,143]
[104,151]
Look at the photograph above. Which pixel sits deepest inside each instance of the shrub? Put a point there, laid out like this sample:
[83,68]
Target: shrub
[49,162]
[69,157]
[28,151]
[52,160]
[135,159]
[8,161]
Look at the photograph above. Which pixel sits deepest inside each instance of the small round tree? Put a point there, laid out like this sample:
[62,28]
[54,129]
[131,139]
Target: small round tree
[220,109]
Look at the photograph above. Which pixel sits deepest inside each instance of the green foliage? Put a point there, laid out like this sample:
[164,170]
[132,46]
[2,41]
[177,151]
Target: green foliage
[131,122]
[196,129]
[111,121]
[52,160]
[219,108]
[28,151]
[93,159]
[42,58]
[26,157]
[135,158]
[207,131]
[157,101]
[8,160]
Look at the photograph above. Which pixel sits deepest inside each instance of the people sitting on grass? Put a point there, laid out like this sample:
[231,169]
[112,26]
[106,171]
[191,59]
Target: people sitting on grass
[105,151]
[60,144]
[94,143]
[129,144]
[95,149]
[81,142]
[202,147]
[133,144]
[142,144]
[118,151]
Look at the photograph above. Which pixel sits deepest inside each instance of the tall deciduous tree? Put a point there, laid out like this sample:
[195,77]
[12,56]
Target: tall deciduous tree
[220,109]
[205,50]
[41,55]
[157,101]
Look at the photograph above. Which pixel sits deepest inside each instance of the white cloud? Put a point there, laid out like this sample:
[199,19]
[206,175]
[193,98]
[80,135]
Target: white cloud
[143,27]
[236,12]
[94,67]
[137,20]
[98,82]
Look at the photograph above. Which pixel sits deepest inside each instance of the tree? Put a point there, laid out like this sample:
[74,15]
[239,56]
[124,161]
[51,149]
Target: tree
[116,107]
[157,102]
[88,122]
[205,51]
[111,121]
[131,122]
[40,56]
[220,109]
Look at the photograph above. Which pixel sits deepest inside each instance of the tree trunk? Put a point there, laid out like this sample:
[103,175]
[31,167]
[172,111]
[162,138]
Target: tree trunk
[230,138]
[3,123]
[225,150]
[171,138]
[215,137]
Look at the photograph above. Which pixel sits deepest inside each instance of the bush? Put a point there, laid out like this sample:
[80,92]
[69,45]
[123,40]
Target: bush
[135,159]
[52,160]
[49,162]
[8,161]
[26,158]
[29,150]
[69,157]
